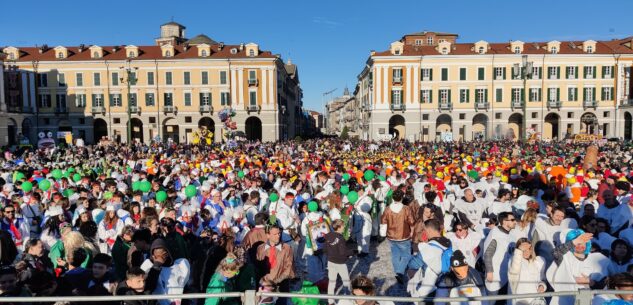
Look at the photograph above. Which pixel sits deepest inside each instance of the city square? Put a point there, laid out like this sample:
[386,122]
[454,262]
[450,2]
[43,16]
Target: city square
[162,165]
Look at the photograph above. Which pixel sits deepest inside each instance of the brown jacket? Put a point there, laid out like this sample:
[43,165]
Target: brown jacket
[254,238]
[283,270]
[398,224]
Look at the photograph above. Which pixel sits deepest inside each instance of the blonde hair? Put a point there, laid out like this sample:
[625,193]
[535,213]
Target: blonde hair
[528,217]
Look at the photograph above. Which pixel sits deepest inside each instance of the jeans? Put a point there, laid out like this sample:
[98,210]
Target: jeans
[333,271]
[400,255]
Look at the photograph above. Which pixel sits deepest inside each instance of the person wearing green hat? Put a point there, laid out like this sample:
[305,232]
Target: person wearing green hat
[314,227]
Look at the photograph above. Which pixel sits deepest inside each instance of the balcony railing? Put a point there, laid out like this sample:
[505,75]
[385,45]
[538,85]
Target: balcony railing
[398,107]
[98,109]
[553,104]
[397,80]
[626,102]
[206,108]
[446,106]
[135,109]
[253,82]
[14,109]
[253,108]
[169,109]
[481,106]
[589,104]
[517,104]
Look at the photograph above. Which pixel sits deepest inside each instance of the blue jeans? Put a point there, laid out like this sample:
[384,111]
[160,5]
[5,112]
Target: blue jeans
[400,255]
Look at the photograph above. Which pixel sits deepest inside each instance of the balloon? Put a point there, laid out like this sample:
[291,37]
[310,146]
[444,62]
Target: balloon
[44,185]
[18,176]
[27,186]
[65,174]
[240,174]
[107,195]
[71,170]
[145,186]
[344,189]
[76,177]
[382,178]
[129,169]
[57,174]
[274,197]
[346,177]
[161,196]
[313,206]
[136,185]
[68,192]
[352,197]
[369,175]
[190,191]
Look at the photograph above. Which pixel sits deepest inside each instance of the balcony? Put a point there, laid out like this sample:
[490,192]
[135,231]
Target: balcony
[481,106]
[206,108]
[98,109]
[626,102]
[170,109]
[517,104]
[253,108]
[135,109]
[553,104]
[590,104]
[398,107]
[253,82]
[397,80]
[446,106]
[14,109]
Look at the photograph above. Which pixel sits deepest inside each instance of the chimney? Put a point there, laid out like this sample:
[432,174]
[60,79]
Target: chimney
[241,46]
[114,49]
[81,47]
[221,46]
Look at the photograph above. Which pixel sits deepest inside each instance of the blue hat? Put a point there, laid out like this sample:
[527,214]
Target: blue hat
[573,234]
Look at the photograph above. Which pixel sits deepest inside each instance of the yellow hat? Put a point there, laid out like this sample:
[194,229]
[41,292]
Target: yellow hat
[572,170]
[440,175]
[497,174]
[513,171]
[504,179]
[571,180]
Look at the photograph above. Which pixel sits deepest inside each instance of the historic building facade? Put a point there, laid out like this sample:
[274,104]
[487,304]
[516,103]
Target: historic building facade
[428,86]
[170,89]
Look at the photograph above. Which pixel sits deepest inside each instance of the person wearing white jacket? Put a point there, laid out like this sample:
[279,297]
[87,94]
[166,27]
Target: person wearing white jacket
[526,273]
[423,281]
[362,222]
[496,256]
[109,228]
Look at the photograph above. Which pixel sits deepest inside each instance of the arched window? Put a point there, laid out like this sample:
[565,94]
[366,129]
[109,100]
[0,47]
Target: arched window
[11,56]
[429,41]
[517,50]
[168,53]
[444,50]
[554,50]
[589,49]
[95,54]
[481,50]
[203,53]
[131,54]
[251,53]
[60,55]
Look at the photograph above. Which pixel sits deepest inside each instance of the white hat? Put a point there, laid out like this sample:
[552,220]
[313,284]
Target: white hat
[54,211]
[80,210]
[110,207]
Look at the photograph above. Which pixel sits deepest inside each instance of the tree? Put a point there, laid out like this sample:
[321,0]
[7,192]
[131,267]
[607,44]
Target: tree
[345,133]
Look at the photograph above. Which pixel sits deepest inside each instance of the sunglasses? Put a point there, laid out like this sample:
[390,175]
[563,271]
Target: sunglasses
[9,212]
[512,219]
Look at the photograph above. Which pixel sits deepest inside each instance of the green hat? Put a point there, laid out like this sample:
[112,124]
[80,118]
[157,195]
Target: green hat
[313,206]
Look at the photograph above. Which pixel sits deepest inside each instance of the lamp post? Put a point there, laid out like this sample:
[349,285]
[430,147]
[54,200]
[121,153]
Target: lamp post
[524,71]
[129,81]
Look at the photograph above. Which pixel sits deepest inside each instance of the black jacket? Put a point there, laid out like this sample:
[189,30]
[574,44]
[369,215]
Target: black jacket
[336,248]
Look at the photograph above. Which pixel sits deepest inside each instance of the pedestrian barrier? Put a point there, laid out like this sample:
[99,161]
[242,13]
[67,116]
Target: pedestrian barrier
[251,297]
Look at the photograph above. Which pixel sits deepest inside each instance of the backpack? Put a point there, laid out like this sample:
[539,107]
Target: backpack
[446,257]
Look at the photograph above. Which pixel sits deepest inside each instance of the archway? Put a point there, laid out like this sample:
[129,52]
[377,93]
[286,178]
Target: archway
[100,130]
[171,130]
[397,127]
[253,129]
[551,128]
[515,129]
[480,127]
[589,123]
[208,123]
[137,130]
[12,131]
[628,126]
[444,127]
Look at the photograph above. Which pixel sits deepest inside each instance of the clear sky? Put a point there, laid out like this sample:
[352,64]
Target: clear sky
[328,40]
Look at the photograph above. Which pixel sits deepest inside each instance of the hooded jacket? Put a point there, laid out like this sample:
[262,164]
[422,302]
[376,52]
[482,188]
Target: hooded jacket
[168,278]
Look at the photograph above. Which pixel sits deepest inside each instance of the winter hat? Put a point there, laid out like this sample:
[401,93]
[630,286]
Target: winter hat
[458,259]
[573,234]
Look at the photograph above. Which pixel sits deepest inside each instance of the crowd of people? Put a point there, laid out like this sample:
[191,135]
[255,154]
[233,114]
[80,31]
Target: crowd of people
[460,219]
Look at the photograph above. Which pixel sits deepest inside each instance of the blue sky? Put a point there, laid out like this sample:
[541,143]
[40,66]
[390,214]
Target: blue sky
[328,40]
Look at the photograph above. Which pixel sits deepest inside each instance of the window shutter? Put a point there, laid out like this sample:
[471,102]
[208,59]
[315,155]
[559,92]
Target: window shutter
[430,96]
[557,94]
[467,95]
[421,96]
[540,94]
[392,96]
[575,94]
[522,95]
[504,73]
[201,98]
[549,95]
[595,73]
[557,72]
[604,71]
[584,72]
[111,99]
[567,72]
[449,96]
[485,95]
[94,100]
[593,93]
[602,95]
[612,71]
[540,72]
[430,74]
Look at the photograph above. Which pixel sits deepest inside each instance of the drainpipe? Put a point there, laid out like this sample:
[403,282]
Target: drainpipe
[107,78]
[492,102]
[542,104]
[159,125]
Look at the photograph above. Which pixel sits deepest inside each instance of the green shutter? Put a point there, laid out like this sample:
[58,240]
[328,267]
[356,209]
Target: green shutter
[602,97]
[480,74]
[430,74]
[444,74]
[462,73]
[504,73]
[594,93]
[595,72]
[557,72]
[567,72]
[604,71]
[111,99]
[575,94]
[201,98]
[549,95]
[467,95]
[584,72]
[485,95]
[612,71]
[449,96]
[421,96]
[522,95]
[430,96]
[557,94]
[540,72]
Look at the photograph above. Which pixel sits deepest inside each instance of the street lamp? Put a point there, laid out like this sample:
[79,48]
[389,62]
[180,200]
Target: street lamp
[129,81]
[524,71]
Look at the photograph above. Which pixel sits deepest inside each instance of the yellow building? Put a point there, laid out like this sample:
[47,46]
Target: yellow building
[427,86]
[175,86]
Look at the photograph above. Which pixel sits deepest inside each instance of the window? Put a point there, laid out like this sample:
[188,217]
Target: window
[589,49]
[96,78]
[554,50]
[187,98]
[97,100]
[168,80]
[11,56]
[444,50]
[61,102]
[517,95]
[96,54]
[429,40]
[397,75]
[252,98]
[205,98]
[553,94]
[115,79]
[445,96]
[60,55]
[188,119]
[463,95]
[80,79]
[61,80]
[187,78]
[462,116]
[572,94]
[426,96]
[43,79]
[500,73]
[80,100]
[481,50]
[149,99]
[222,77]
[131,54]
[167,53]
[481,95]
[607,72]
[203,53]
[606,114]
[517,50]
[418,42]
[427,74]
[481,73]
[552,72]
[251,53]
[497,116]
[607,94]
[396,97]
[205,77]
[462,73]
[589,94]
[444,74]
[572,72]
[537,72]
[590,72]
[224,99]
[425,116]
[132,99]
[168,100]
[535,115]
[570,115]
[535,94]
[150,78]
[499,95]
[115,100]
[152,120]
